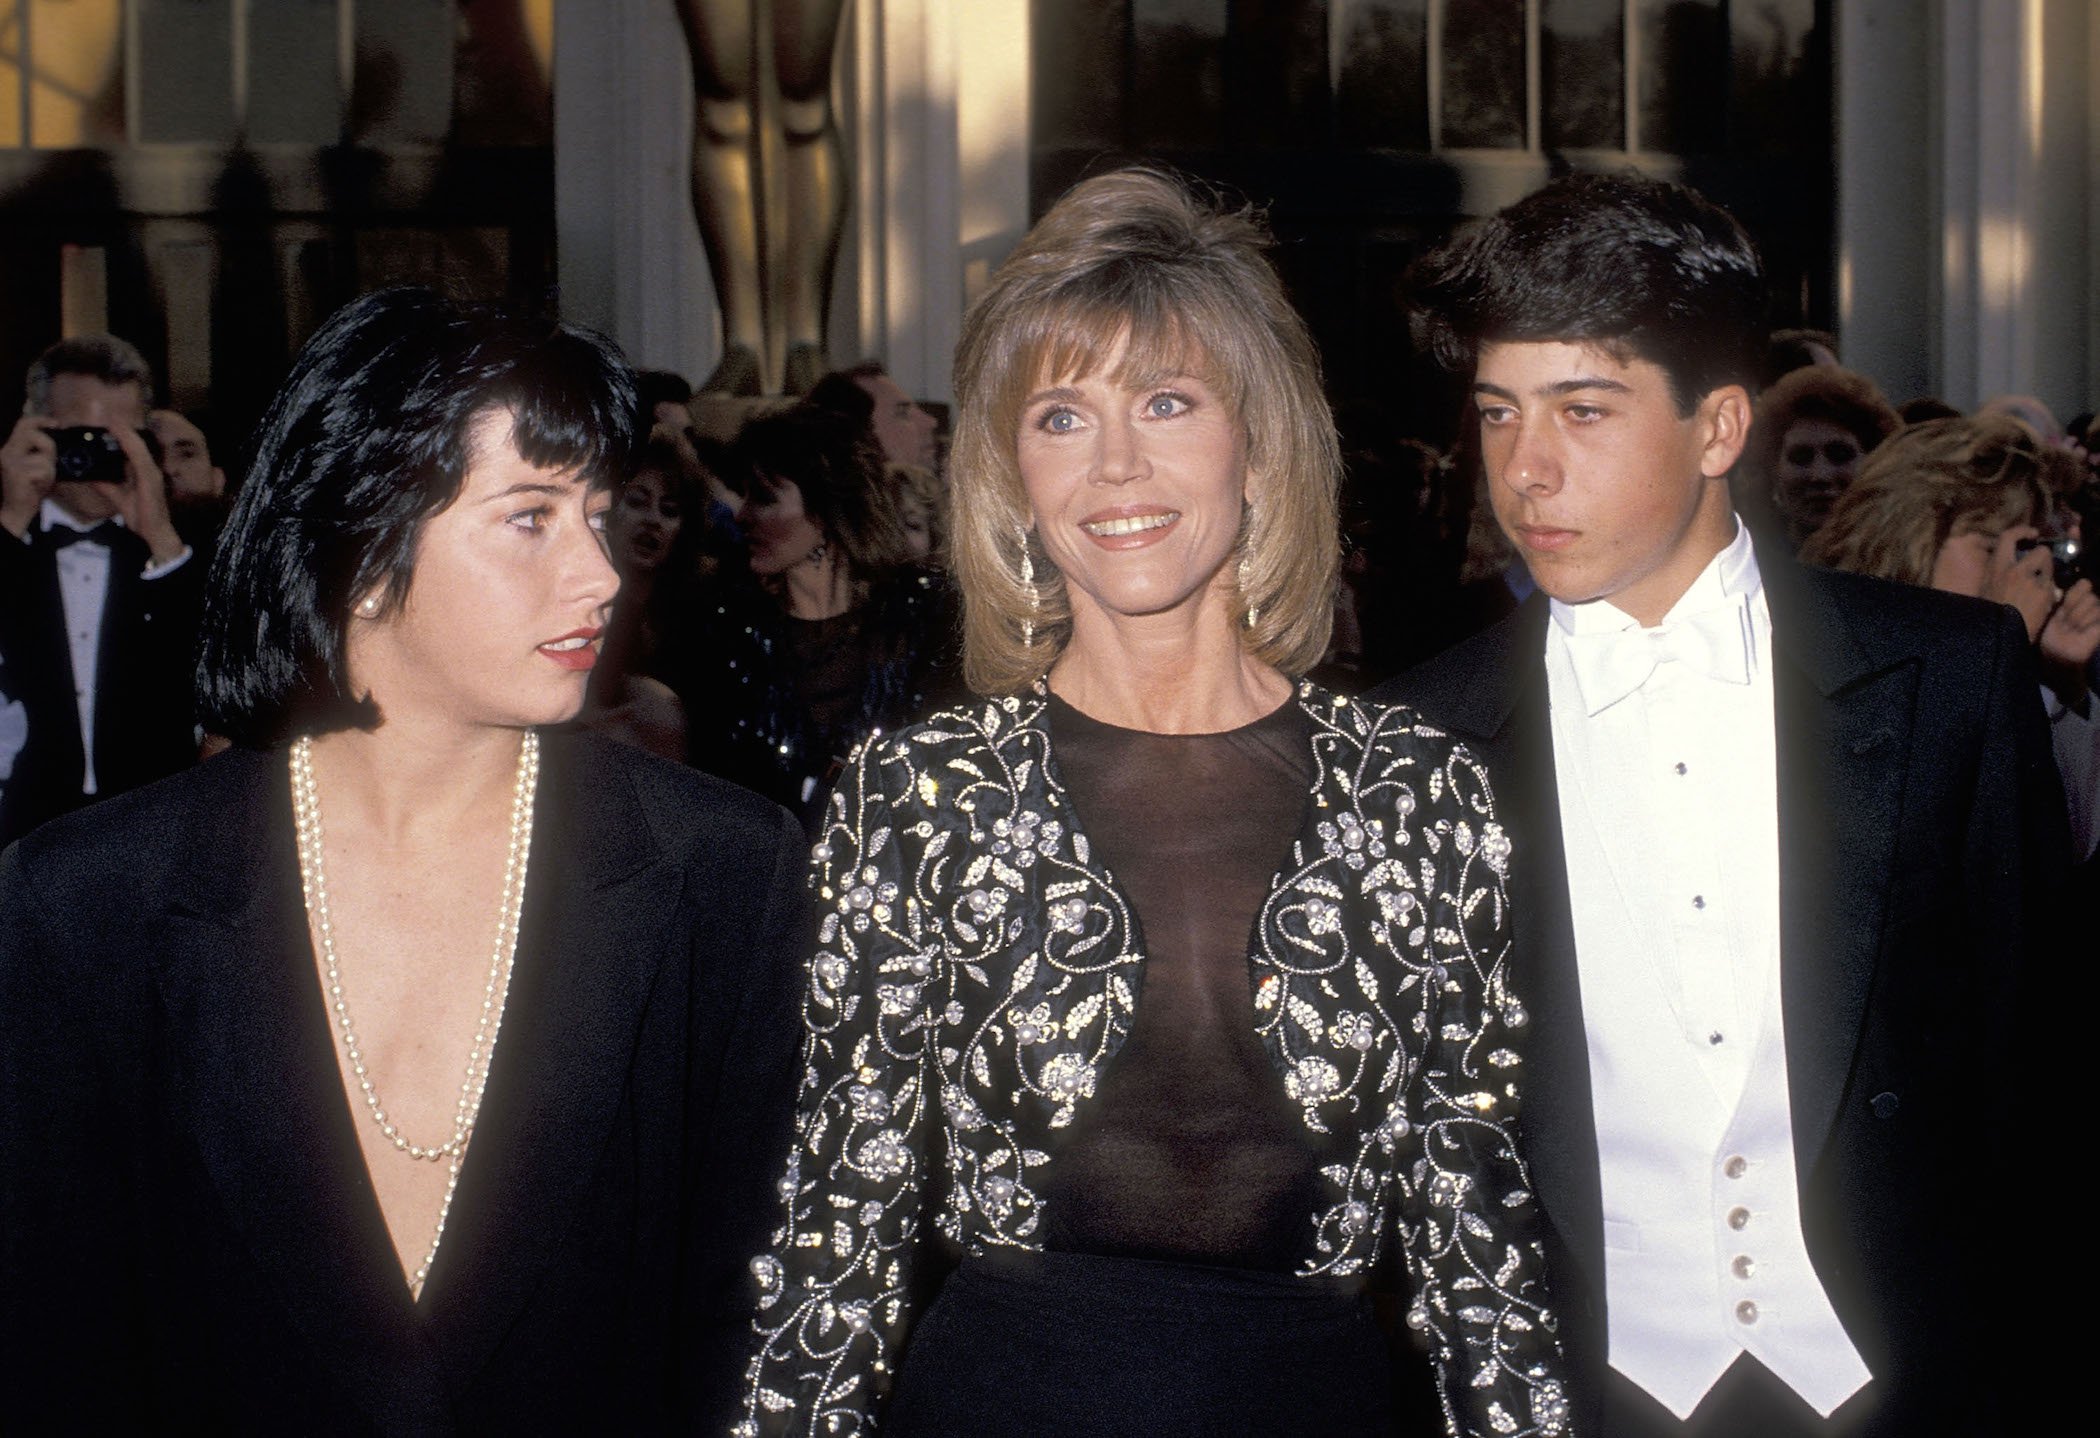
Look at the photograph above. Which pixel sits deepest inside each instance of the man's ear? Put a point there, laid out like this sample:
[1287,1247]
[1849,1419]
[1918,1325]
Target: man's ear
[1724,419]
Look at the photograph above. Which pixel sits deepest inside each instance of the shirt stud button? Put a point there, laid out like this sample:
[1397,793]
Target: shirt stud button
[1739,1218]
[1681,768]
[1698,901]
[1742,1267]
[1714,1037]
[1746,1312]
[1736,1166]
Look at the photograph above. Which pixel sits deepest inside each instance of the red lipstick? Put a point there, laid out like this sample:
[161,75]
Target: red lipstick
[574,650]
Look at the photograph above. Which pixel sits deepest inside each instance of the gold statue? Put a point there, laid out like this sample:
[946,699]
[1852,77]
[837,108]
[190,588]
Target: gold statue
[769,184]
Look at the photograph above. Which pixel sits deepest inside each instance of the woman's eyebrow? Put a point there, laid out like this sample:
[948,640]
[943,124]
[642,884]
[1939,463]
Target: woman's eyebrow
[530,486]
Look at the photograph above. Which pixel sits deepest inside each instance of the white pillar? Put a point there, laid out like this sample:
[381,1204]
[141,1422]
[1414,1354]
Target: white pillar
[1967,176]
[629,254]
[939,104]
[1887,203]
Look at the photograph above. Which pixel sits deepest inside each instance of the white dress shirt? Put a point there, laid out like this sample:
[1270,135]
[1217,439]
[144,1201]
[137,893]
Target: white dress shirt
[14,730]
[83,590]
[1666,759]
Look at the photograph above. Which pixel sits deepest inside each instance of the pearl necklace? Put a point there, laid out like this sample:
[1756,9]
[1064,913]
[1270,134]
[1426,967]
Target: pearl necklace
[306,815]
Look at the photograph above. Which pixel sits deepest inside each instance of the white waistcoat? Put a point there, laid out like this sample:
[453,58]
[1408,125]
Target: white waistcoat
[1669,814]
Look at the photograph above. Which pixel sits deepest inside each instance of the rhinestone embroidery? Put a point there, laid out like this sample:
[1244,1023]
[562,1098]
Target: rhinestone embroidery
[976,972]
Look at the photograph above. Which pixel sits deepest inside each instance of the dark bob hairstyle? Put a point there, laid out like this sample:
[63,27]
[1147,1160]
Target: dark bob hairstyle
[1639,268]
[367,439]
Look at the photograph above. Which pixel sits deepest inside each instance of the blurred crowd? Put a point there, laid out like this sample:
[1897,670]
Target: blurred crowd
[782,586]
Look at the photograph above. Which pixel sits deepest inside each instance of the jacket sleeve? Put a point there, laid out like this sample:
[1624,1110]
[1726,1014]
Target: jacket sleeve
[70,1354]
[741,1095]
[835,1285]
[1467,1215]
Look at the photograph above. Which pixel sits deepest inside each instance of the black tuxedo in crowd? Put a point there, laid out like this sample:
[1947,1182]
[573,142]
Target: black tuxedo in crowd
[188,1236]
[145,675]
[1922,846]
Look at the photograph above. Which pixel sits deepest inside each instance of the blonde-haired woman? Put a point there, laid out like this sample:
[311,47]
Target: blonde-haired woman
[1165,990]
[1961,505]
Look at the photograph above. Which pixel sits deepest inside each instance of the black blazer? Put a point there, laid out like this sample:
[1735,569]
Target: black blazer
[188,1236]
[145,669]
[1922,846]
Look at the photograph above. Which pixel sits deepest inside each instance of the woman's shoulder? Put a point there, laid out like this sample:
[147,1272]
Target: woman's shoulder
[1395,727]
[973,724]
[986,752]
[682,807]
[1397,737]
[195,841]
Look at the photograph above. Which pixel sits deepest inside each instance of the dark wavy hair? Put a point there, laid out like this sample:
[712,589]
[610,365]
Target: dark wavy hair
[1638,267]
[838,467]
[842,392]
[368,437]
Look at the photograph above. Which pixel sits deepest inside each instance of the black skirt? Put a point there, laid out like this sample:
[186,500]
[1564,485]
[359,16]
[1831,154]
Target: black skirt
[1080,1346]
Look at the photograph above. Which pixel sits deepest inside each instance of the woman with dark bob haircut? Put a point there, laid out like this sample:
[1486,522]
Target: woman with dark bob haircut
[1158,992]
[410,1067]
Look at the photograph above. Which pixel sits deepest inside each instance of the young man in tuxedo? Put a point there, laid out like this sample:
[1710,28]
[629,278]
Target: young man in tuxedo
[98,595]
[1784,841]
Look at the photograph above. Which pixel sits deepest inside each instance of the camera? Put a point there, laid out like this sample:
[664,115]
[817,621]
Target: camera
[88,454]
[2070,561]
[2067,557]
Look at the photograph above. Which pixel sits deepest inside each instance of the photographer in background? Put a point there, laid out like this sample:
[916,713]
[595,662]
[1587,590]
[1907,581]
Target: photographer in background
[98,594]
[1982,507]
[197,498]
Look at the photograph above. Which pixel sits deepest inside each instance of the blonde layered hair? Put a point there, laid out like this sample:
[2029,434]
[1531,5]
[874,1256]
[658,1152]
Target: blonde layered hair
[1133,258]
[1930,482]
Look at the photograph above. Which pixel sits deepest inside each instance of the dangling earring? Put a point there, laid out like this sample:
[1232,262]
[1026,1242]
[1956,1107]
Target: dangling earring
[817,552]
[1028,583]
[1246,542]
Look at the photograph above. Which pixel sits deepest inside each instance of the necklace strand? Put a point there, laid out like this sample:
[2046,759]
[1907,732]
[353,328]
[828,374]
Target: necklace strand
[306,814]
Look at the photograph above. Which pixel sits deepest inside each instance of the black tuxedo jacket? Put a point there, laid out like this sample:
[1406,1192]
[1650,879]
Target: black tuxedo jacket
[145,674]
[1922,846]
[188,1236]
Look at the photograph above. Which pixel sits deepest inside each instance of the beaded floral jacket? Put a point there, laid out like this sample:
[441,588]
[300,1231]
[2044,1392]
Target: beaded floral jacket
[976,970]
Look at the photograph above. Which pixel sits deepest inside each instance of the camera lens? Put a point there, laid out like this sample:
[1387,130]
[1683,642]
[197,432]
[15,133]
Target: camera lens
[74,462]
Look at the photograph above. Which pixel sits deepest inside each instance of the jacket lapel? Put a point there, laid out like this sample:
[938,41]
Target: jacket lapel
[265,1096]
[1843,722]
[598,898]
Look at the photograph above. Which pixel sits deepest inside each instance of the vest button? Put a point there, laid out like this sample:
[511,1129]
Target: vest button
[1736,1166]
[1739,1218]
[1742,1267]
[1885,1105]
[1746,1312]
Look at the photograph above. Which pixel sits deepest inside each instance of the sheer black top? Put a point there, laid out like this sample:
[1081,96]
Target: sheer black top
[1191,1150]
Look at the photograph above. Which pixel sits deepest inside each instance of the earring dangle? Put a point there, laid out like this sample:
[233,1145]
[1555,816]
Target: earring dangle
[1253,611]
[1028,583]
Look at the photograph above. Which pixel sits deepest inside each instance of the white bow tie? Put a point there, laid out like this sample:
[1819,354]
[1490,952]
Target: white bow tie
[1612,664]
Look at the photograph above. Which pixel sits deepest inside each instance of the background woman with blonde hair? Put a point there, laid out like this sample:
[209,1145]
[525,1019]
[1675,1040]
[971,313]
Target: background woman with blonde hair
[1168,990]
[1963,505]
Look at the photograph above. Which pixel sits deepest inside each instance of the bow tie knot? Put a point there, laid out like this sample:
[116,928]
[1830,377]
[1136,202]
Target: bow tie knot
[1611,665]
[62,536]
